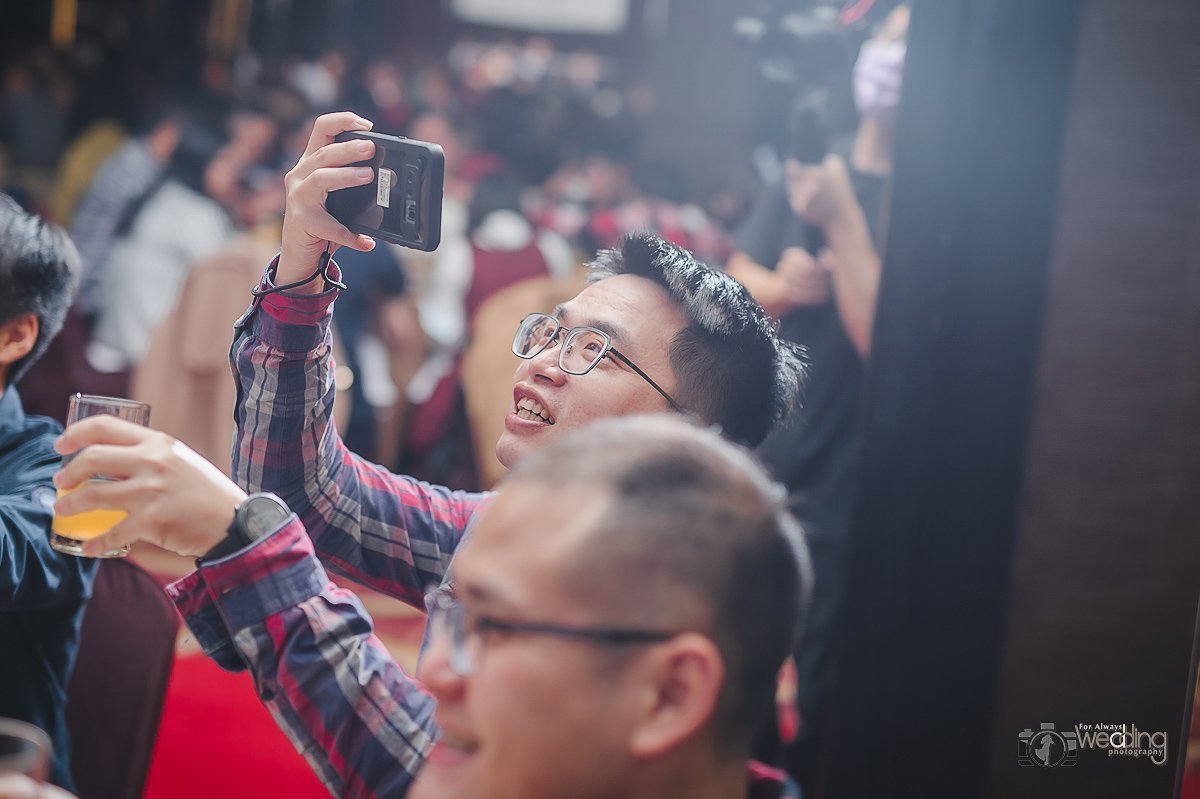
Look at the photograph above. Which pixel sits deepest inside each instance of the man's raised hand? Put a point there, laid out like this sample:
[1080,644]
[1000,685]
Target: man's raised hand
[307,226]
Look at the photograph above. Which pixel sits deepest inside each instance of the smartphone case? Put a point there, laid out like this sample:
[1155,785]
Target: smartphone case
[403,204]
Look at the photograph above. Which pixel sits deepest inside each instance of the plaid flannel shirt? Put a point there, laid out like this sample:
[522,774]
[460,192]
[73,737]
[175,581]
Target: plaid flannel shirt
[363,725]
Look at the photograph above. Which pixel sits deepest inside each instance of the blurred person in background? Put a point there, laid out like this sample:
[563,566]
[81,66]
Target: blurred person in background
[825,299]
[42,592]
[319,81]
[598,178]
[433,91]
[125,178]
[376,90]
[461,173]
[35,101]
[606,193]
[374,325]
[80,162]
[501,248]
[241,177]
[177,223]
[184,374]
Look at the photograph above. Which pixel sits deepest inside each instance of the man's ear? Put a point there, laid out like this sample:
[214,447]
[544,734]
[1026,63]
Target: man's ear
[682,682]
[17,337]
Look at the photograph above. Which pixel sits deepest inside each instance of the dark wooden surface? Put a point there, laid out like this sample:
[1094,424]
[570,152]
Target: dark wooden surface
[1107,570]
[1028,531]
[978,149]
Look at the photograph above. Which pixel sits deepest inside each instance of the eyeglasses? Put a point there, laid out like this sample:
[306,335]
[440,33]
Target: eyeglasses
[466,630]
[581,350]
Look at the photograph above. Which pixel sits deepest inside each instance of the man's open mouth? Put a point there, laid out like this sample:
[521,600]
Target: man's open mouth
[533,411]
[461,744]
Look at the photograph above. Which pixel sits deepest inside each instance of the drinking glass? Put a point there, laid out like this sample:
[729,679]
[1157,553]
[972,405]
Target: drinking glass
[24,749]
[69,533]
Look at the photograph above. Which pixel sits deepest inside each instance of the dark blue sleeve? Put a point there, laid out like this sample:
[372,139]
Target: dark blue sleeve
[32,575]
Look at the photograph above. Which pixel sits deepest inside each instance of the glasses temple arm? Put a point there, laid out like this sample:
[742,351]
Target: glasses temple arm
[674,405]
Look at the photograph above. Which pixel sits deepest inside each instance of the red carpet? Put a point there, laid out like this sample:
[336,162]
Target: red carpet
[217,740]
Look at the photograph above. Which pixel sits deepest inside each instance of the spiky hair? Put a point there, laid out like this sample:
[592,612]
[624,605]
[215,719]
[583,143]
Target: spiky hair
[731,366]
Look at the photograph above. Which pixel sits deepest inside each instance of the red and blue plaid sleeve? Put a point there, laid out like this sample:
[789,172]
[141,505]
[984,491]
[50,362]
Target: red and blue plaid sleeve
[361,723]
[389,532]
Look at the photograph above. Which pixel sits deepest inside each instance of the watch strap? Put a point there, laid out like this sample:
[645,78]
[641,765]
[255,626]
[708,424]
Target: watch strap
[235,539]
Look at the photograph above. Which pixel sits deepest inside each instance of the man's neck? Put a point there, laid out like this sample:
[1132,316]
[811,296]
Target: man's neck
[693,778]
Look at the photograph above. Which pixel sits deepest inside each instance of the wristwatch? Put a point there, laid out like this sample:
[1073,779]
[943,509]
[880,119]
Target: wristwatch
[255,519]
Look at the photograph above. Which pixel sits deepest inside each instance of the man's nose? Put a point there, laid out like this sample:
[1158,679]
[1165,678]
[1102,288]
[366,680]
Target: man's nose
[434,670]
[545,365]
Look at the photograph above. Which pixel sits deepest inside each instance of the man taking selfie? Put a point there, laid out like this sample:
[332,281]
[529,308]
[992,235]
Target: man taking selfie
[654,332]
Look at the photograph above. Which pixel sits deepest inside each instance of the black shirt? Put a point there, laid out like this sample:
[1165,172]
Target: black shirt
[813,452]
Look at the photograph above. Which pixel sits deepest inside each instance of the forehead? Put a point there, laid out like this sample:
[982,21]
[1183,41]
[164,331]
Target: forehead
[634,307]
[519,552]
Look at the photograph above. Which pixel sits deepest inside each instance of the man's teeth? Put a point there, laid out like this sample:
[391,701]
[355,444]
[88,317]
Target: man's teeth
[532,410]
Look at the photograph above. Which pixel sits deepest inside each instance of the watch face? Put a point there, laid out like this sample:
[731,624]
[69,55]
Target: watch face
[262,514]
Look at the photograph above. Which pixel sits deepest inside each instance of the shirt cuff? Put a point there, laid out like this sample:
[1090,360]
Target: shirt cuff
[271,575]
[294,322]
[200,614]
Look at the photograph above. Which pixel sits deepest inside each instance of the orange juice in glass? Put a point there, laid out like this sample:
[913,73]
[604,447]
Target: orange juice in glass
[69,533]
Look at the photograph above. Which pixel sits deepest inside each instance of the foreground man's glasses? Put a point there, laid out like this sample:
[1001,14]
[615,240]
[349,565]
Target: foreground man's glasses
[465,630]
[582,347]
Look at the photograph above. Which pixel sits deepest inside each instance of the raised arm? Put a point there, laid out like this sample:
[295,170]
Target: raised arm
[389,532]
[386,531]
[823,195]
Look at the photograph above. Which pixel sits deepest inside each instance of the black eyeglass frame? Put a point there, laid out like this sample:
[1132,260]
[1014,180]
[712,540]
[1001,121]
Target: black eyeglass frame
[608,348]
[455,614]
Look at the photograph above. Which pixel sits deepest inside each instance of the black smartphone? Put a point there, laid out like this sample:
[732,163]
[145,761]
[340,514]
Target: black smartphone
[403,204]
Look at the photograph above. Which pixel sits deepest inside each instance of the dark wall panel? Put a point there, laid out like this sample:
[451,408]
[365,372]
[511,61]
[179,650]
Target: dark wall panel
[1107,571]
[978,148]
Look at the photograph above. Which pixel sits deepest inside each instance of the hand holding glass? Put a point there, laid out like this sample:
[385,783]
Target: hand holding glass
[68,533]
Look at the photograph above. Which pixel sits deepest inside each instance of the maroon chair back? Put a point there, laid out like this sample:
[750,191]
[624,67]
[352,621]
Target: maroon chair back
[115,696]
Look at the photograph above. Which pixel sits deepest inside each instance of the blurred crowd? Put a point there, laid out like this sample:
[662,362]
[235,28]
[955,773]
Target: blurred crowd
[174,202]
[176,207]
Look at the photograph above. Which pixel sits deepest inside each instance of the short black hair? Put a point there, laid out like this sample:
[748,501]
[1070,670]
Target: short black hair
[203,132]
[39,269]
[731,366]
[499,191]
[693,519]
